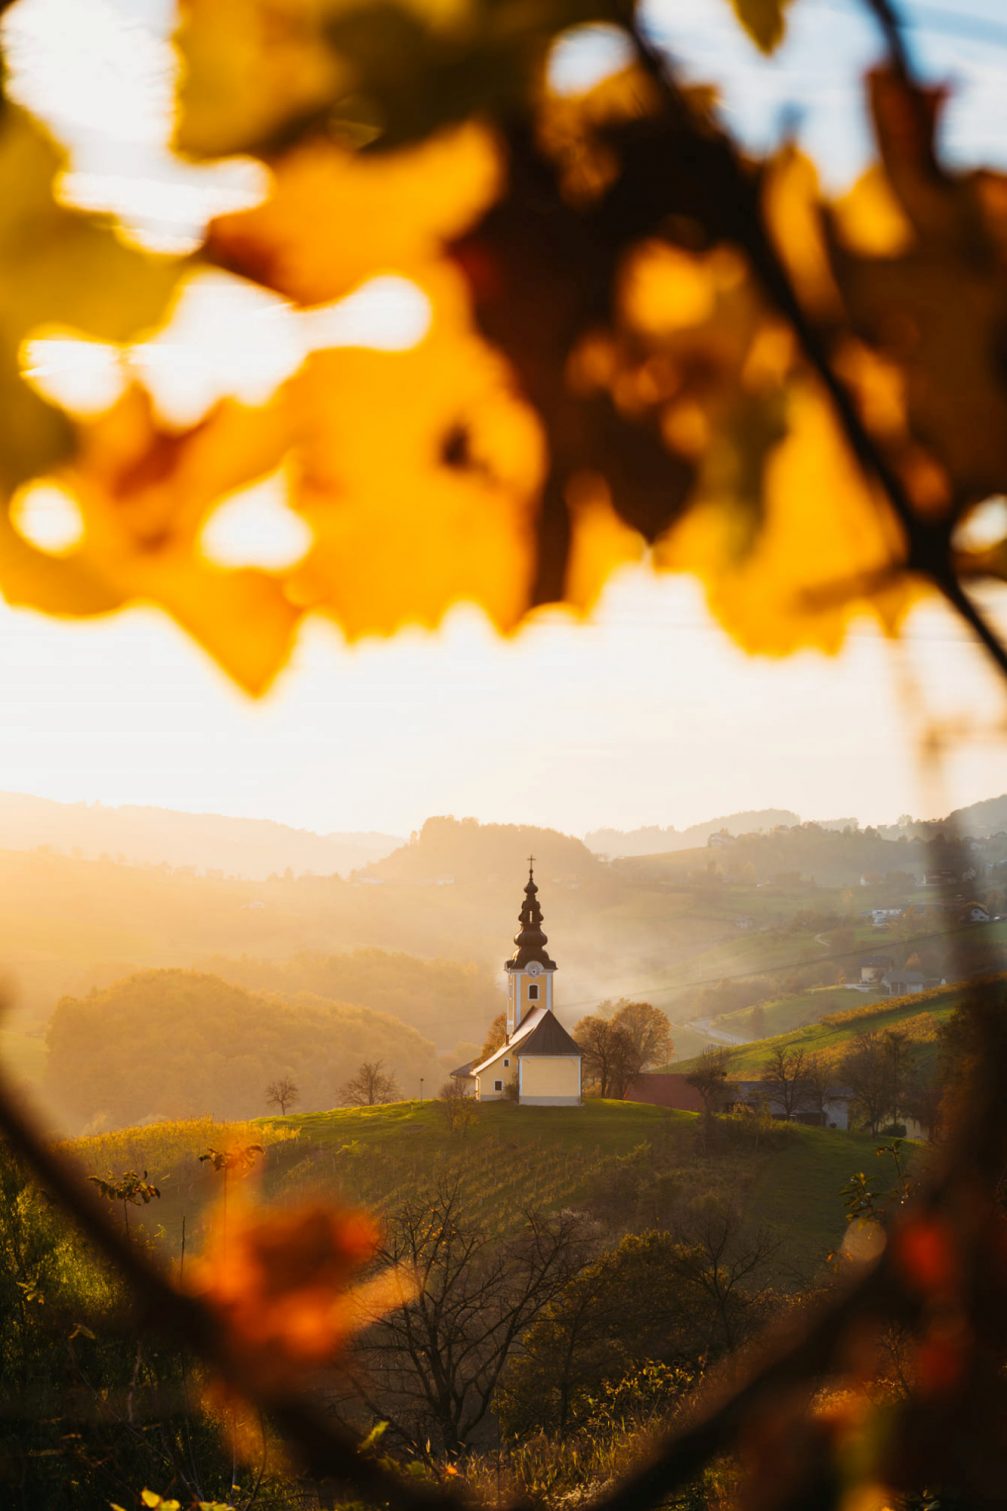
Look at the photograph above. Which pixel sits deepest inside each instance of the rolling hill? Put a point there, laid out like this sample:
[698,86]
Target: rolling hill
[509,1159]
[919,1016]
[250,847]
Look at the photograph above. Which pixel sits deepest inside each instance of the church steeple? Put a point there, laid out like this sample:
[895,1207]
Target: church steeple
[530,968]
[532,939]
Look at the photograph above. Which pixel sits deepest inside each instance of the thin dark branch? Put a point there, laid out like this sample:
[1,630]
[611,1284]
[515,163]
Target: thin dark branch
[893,31]
[927,542]
[324,1452]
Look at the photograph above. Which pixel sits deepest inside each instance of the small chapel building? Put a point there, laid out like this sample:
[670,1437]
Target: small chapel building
[538,1058]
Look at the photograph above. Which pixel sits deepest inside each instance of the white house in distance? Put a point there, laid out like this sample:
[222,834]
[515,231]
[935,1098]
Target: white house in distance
[538,1055]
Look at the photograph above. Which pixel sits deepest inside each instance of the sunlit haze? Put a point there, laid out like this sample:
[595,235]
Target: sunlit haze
[653,717]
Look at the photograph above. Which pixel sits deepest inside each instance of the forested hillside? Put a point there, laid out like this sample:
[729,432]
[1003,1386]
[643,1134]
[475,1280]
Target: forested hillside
[444,1000]
[450,850]
[653,840]
[178,1044]
[423,934]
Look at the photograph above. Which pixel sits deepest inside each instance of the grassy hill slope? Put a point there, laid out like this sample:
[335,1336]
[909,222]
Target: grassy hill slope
[920,1016]
[511,1158]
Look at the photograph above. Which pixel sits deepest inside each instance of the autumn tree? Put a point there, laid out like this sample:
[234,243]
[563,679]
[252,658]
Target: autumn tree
[785,1078]
[649,1034]
[608,1053]
[282,1093]
[820,1083]
[877,1071]
[496,1037]
[456,1105]
[432,1368]
[631,1303]
[709,1078]
[726,1260]
[369,1085]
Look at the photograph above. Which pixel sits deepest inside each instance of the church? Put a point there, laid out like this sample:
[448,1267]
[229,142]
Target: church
[538,1058]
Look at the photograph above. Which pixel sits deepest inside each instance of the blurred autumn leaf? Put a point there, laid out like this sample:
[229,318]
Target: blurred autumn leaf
[763,20]
[638,341]
[62,268]
[287,1285]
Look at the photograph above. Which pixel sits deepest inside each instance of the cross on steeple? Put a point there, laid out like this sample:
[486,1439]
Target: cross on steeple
[531,862]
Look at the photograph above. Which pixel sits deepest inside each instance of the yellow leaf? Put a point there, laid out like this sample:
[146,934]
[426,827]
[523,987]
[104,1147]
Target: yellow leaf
[869,219]
[143,493]
[57,266]
[250,69]
[826,547]
[418,474]
[336,217]
[285,1283]
[793,211]
[763,20]
[601,544]
[60,266]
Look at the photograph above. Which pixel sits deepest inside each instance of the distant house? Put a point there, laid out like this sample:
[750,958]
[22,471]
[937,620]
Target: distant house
[940,879]
[904,983]
[881,917]
[746,921]
[721,838]
[664,1090]
[835,1113]
[874,968]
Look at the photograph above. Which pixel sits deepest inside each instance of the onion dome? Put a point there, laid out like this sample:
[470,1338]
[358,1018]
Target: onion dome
[531,940]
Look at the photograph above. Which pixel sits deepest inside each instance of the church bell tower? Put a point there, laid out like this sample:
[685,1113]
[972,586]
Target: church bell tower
[529,970]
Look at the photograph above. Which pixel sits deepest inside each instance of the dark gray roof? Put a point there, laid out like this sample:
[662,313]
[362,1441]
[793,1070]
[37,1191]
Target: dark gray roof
[549,1038]
[464,1070]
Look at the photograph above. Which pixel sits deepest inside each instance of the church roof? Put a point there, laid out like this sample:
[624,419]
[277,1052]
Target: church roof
[531,940]
[541,1033]
[549,1037]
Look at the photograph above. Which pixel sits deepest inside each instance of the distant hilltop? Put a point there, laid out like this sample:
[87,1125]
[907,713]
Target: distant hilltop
[444,850]
[653,840]
[979,820]
[247,847]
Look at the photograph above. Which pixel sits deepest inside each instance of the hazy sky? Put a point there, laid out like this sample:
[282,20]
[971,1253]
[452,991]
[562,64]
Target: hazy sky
[653,716]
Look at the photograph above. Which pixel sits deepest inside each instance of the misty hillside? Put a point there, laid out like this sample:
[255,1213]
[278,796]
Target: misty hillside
[984,818]
[182,1044]
[653,840]
[979,821]
[255,848]
[450,850]
[423,934]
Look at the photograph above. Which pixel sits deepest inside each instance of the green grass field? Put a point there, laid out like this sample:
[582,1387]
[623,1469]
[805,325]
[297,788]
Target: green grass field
[798,1009]
[509,1159]
[920,1017]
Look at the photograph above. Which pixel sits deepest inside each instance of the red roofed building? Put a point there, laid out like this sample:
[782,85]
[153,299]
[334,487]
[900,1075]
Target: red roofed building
[664,1090]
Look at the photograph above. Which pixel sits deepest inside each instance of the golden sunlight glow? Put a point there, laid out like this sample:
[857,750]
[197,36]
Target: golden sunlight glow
[124,709]
[83,376]
[47,516]
[225,336]
[255,528]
